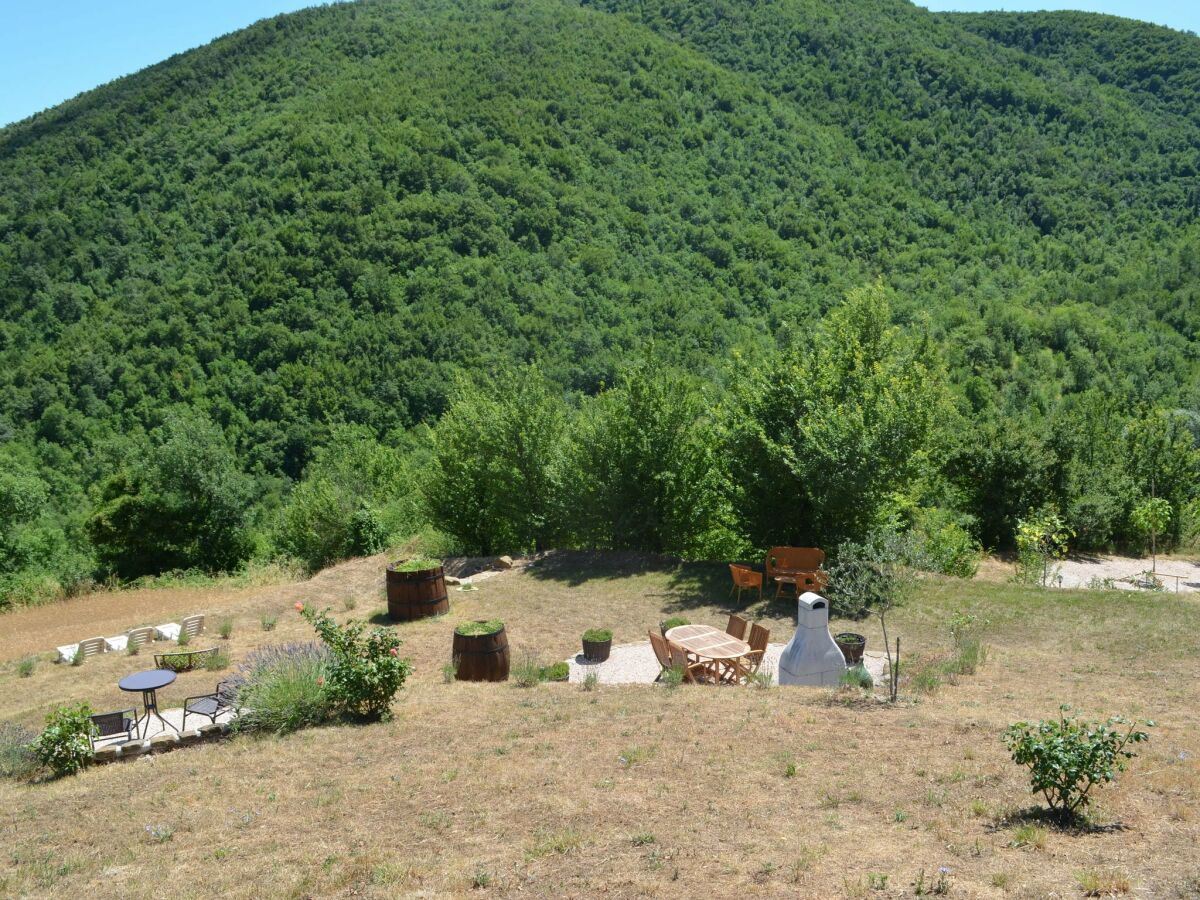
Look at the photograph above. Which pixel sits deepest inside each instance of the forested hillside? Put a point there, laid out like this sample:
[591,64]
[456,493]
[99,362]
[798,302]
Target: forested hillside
[216,266]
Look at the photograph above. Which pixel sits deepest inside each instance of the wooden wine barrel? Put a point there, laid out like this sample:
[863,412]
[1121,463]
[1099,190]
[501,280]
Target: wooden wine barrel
[415,595]
[481,657]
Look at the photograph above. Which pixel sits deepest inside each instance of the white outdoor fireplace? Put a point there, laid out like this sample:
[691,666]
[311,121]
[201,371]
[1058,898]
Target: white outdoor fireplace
[811,657]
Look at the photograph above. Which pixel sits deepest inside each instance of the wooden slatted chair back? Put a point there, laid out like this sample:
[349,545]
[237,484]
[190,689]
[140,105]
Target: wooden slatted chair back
[759,637]
[679,658]
[737,627]
[659,643]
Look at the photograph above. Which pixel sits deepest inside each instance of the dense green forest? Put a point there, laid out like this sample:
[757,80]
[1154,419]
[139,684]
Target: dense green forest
[275,296]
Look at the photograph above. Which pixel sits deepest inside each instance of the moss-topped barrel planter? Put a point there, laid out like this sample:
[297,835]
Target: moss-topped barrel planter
[416,588]
[597,643]
[481,651]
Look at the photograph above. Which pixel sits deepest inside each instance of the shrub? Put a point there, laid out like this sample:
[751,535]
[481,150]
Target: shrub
[268,622]
[64,746]
[282,687]
[527,672]
[946,546]
[17,759]
[857,676]
[591,681]
[25,667]
[449,672]
[1067,757]
[1041,540]
[477,629]
[559,671]
[365,670]
[184,639]
[225,629]
[674,622]
[214,662]
[597,635]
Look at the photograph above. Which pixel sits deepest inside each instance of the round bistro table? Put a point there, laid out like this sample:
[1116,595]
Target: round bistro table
[146,683]
[709,643]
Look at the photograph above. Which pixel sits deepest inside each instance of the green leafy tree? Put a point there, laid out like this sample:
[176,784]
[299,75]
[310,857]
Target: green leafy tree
[835,426]
[648,471]
[499,456]
[182,504]
[1151,517]
[356,494]
[1042,538]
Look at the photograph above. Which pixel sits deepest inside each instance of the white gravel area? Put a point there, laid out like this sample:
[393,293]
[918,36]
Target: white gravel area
[636,664]
[1124,571]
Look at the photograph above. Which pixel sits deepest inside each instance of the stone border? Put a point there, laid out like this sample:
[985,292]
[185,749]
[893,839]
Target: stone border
[160,743]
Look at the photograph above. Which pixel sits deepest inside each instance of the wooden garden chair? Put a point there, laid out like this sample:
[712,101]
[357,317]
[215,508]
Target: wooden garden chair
[737,627]
[798,566]
[661,652]
[745,578]
[759,637]
[693,672]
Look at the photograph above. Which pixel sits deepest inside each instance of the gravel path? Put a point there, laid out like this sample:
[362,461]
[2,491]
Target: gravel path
[636,664]
[1092,571]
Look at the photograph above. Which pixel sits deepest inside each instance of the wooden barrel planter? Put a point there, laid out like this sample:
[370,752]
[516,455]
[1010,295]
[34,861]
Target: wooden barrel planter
[482,653]
[852,646]
[597,643]
[416,594]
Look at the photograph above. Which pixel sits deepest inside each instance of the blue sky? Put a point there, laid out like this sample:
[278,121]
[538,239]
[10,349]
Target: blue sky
[51,50]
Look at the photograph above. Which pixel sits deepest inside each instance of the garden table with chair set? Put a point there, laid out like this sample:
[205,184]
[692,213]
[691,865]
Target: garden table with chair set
[707,655]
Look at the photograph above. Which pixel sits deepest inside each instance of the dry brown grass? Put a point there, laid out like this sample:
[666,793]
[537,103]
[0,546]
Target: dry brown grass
[630,791]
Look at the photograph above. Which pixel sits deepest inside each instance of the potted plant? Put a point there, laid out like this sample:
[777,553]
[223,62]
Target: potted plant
[852,646]
[673,622]
[480,651]
[416,588]
[597,642]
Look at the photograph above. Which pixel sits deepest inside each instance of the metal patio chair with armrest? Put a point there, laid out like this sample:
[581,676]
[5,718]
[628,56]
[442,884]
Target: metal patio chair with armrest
[120,723]
[208,706]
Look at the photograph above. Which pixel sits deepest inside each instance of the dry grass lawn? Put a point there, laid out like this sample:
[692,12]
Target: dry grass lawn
[495,790]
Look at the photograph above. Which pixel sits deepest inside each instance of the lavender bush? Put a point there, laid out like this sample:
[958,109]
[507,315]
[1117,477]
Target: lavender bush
[282,687]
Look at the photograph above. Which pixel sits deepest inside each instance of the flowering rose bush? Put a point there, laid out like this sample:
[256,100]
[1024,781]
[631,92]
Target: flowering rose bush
[366,670]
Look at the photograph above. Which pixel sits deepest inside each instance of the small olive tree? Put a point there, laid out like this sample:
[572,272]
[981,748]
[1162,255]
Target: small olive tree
[1151,518]
[875,577]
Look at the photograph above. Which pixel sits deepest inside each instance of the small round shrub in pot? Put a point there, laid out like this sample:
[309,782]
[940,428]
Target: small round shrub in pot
[597,643]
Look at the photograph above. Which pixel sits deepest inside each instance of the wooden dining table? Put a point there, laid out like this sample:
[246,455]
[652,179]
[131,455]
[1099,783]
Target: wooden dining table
[708,643]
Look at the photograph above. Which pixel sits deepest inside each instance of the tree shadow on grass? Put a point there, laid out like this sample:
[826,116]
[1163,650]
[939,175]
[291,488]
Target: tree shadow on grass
[1077,824]
[690,585]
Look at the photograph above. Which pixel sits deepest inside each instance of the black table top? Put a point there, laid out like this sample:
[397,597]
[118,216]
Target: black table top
[150,680]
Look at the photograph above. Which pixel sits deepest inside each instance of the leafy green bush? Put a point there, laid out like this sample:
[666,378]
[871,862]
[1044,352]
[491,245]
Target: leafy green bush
[64,746]
[282,687]
[597,635]
[945,545]
[215,662]
[477,629]
[1067,756]
[558,671]
[365,671]
[858,676]
[673,622]
[17,758]
[1041,541]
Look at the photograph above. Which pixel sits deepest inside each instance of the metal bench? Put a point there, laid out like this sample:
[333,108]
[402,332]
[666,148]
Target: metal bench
[184,660]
